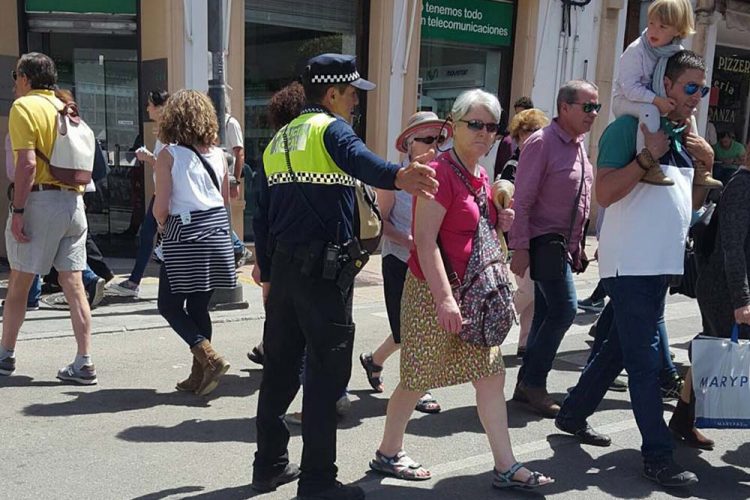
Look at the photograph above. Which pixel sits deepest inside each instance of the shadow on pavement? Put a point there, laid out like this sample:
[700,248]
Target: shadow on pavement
[25,381]
[194,431]
[368,405]
[158,495]
[235,493]
[113,401]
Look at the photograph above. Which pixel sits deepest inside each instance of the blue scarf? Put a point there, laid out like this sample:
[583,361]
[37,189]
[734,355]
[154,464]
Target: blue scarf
[661,54]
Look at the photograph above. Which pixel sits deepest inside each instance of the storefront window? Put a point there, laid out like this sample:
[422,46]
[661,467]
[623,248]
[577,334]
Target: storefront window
[102,72]
[280,36]
[729,109]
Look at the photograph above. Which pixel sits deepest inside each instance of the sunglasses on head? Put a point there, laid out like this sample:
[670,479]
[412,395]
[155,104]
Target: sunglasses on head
[589,107]
[430,139]
[692,88]
[477,125]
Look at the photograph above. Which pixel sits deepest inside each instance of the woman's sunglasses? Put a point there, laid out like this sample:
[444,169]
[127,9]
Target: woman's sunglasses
[14,75]
[692,88]
[430,139]
[477,125]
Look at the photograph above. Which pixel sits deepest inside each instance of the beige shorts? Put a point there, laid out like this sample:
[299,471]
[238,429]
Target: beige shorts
[55,222]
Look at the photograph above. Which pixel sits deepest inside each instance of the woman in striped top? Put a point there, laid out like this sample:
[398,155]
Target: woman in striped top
[192,191]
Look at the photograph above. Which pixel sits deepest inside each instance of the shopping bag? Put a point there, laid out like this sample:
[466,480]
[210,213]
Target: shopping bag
[721,381]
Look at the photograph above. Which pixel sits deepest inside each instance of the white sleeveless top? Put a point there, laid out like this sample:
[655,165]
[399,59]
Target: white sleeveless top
[192,188]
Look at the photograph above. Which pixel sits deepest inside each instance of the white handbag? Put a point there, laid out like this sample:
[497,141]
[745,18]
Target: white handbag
[721,381]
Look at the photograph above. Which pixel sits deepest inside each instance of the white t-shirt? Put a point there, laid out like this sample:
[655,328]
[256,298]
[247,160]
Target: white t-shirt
[233,133]
[644,233]
[192,188]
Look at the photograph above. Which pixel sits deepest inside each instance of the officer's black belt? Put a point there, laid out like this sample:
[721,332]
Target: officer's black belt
[297,251]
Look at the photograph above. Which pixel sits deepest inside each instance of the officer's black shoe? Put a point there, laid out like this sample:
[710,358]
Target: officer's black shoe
[669,474]
[338,492]
[585,434]
[264,485]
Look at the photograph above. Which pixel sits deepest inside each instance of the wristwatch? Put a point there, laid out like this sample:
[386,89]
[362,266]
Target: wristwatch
[645,160]
[16,210]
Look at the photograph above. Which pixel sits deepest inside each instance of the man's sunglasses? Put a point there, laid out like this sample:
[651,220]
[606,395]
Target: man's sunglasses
[589,107]
[692,88]
[477,125]
[430,139]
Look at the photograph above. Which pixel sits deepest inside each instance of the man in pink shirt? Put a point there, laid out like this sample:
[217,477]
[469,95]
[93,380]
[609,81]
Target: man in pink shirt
[552,201]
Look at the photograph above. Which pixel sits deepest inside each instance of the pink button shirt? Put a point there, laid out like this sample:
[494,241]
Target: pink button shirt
[549,173]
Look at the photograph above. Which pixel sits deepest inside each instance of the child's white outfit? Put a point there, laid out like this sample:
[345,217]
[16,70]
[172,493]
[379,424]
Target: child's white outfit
[634,90]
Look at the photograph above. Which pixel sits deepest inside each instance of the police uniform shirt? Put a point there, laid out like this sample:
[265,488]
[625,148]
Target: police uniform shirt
[285,214]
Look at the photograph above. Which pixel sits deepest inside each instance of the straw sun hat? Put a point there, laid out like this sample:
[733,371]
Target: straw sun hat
[419,121]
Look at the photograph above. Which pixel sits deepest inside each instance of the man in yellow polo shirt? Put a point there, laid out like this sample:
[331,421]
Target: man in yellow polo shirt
[47,224]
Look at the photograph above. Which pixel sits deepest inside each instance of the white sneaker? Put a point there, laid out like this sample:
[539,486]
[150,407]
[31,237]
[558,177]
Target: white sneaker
[125,289]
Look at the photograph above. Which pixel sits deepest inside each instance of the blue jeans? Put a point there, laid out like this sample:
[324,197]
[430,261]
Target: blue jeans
[555,307]
[633,342]
[237,244]
[35,292]
[603,325]
[145,245]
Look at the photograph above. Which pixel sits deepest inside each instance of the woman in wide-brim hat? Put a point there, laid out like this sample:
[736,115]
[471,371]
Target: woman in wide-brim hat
[424,131]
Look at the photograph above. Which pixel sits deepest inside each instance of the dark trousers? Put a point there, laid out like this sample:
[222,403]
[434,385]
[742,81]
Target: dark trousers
[145,245]
[394,275]
[555,307]
[186,313]
[633,342]
[599,293]
[304,314]
[603,325]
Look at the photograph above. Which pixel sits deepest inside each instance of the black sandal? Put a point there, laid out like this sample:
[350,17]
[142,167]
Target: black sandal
[370,368]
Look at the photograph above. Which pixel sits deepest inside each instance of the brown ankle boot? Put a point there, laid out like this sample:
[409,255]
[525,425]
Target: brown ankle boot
[214,366]
[682,425]
[702,177]
[656,177]
[193,381]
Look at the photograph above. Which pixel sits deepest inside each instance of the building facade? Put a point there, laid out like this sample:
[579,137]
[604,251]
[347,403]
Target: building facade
[421,54]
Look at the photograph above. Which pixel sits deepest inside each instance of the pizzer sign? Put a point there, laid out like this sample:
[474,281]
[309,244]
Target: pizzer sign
[479,22]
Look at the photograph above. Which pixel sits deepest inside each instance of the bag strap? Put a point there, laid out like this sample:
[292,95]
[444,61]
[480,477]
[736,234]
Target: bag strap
[299,187]
[205,164]
[37,151]
[574,213]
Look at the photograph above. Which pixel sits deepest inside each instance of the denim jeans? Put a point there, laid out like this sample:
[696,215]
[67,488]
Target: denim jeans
[633,342]
[603,325]
[35,292]
[555,307]
[88,276]
[186,313]
[145,245]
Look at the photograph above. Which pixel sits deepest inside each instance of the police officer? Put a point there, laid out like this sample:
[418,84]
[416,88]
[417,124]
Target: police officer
[305,215]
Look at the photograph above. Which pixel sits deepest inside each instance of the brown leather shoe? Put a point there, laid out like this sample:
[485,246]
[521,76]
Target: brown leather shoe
[540,400]
[656,177]
[682,425]
[519,393]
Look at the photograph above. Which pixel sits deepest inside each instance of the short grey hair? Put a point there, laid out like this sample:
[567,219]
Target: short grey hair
[476,97]
[568,93]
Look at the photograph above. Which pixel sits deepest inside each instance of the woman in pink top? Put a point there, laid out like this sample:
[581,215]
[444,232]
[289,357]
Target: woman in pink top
[432,353]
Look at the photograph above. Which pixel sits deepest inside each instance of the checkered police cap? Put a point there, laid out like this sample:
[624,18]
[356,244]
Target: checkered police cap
[335,69]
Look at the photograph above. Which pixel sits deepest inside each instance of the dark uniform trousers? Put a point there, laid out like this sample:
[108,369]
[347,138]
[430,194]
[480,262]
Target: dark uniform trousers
[304,314]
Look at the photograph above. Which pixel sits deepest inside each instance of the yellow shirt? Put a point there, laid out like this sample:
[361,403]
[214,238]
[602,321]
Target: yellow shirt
[32,124]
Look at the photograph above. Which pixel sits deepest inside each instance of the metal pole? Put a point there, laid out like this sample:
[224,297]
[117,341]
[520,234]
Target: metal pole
[223,298]
[216,81]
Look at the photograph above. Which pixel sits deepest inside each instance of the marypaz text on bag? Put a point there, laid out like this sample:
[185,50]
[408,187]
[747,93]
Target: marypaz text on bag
[72,158]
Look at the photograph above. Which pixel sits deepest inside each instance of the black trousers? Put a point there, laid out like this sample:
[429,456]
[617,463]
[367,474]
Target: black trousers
[304,314]
[186,313]
[394,275]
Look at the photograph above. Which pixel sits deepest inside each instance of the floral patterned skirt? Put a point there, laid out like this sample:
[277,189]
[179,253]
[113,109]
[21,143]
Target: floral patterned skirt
[432,357]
